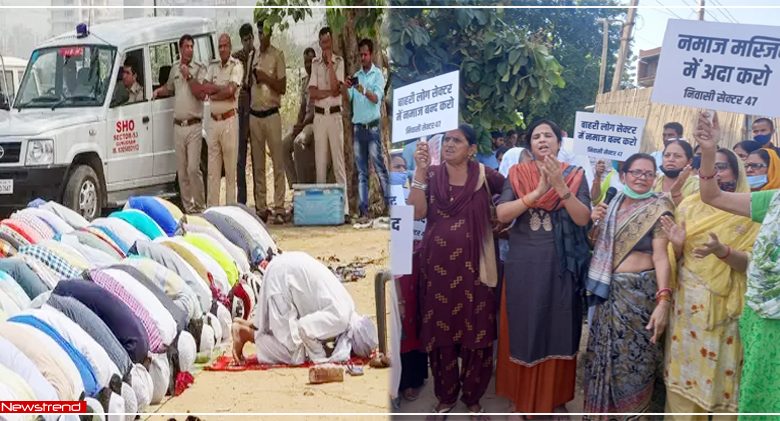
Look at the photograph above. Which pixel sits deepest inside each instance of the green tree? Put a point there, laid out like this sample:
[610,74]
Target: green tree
[574,38]
[503,70]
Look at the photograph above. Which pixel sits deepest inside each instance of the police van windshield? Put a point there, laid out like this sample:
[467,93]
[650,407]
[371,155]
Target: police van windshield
[70,76]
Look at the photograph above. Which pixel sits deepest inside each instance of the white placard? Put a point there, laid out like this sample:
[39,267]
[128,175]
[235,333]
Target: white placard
[397,197]
[720,66]
[605,136]
[401,236]
[427,107]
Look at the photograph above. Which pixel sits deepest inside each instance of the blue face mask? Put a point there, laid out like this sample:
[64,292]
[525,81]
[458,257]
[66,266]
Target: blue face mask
[634,195]
[398,178]
[763,139]
[757,181]
[696,163]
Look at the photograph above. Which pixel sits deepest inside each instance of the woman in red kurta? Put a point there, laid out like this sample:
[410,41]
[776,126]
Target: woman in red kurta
[457,268]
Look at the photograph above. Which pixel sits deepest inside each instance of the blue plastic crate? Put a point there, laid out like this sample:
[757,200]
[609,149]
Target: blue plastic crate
[318,204]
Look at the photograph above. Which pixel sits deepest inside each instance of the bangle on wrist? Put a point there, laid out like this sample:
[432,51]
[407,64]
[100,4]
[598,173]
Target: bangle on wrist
[707,177]
[666,298]
[728,253]
[527,205]
[663,292]
[419,186]
[566,196]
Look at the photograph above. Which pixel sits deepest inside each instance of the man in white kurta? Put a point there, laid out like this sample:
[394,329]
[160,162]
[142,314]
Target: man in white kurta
[302,305]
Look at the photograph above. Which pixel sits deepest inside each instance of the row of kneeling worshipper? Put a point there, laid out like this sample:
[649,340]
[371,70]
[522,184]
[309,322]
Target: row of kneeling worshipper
[118,310]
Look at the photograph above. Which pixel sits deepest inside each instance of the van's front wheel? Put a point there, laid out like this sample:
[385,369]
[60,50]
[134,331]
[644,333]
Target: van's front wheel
[82,193]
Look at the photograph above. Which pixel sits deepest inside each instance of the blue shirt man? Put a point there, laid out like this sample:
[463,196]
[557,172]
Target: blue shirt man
[365,93]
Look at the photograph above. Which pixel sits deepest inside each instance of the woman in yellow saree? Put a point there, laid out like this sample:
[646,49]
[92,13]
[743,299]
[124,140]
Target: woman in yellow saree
[703,347]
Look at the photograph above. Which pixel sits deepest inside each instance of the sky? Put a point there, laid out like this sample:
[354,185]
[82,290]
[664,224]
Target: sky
[648,34]
[653,14]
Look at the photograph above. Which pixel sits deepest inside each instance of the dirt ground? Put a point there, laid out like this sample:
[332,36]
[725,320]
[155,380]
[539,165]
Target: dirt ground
[287,390]
[492,403]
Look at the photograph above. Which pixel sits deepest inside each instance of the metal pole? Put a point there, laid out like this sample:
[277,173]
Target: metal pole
[604,45]
[380,280]
[701,9]
[155,8]
[621,61]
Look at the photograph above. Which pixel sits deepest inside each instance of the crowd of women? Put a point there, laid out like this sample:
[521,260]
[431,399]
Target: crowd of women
[118,310]
[677,271]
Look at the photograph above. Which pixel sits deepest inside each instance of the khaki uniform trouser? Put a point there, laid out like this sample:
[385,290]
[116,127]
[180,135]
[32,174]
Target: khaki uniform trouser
[222,143]
[299,157]
[187,143]
[262,131]
[329,143]
[681,405]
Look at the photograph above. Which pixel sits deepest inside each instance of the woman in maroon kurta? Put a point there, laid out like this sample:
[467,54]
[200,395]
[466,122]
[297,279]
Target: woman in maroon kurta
[457,268]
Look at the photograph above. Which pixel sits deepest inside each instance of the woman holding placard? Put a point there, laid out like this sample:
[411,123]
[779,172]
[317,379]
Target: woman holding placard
[457,261]
[676,168]
[541,309]
[759,324]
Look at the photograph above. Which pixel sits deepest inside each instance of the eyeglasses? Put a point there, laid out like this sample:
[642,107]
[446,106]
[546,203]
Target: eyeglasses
[721,166]
[755,166]
[642,174]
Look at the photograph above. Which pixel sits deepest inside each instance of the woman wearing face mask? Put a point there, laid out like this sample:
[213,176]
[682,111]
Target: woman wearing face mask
[541,311]
[457,268]
[676,179]
[711,252]
[763,170]
[759,324]
[628,282]
[744,148]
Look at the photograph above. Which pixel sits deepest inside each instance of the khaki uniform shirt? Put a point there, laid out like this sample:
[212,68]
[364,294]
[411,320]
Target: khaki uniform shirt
[135,93]
[320,78]
[271,62]
[221,75]
[248,79]
[185,106]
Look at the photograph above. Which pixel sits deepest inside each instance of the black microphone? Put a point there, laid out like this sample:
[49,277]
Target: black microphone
[611,192]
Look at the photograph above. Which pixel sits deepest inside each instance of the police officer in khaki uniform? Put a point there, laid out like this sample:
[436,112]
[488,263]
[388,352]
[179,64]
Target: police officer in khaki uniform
[225,76]
[325,89]
[186,84]
[265,122]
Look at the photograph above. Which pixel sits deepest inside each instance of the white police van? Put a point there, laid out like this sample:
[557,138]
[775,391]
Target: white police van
[65,140]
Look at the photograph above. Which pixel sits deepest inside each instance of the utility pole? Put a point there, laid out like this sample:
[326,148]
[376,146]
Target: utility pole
[701,9]
[623,52]
[604,44]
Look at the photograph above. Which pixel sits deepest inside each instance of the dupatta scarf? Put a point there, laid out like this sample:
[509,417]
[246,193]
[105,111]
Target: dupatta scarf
[726,285]
[618,236]
[525,177]
[477,212]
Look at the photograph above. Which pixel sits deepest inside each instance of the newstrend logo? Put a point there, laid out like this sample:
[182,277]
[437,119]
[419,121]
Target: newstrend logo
[43,407]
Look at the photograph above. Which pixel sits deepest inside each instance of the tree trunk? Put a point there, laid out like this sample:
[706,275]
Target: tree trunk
[347,44]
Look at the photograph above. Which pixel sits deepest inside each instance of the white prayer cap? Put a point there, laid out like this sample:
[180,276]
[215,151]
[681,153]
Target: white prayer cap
[206,341]
[160,371]
[363,336]
[95,409]
[223,314]
[187,350]
[216,325]
[131,402]
[40,300]
[142,386]
[116,405]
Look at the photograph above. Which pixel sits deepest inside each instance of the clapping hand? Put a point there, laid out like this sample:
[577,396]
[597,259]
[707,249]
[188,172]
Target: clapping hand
[675,233]
[678,184]
[601,168]
[713,245]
